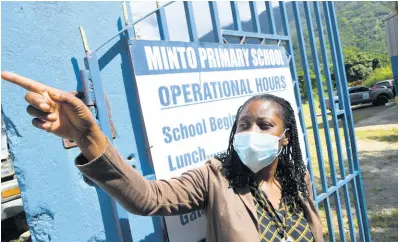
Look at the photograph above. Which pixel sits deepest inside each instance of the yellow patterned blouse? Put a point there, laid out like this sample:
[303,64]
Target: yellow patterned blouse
[271,227]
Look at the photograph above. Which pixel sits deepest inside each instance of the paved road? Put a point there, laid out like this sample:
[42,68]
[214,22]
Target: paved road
[386,116]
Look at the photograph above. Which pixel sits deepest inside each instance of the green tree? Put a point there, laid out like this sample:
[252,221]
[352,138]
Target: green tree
[360,65]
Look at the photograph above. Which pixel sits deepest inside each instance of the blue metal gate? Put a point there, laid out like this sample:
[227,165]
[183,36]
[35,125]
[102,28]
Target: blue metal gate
[338,191]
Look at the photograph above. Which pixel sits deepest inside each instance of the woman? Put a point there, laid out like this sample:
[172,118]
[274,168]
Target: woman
[257,191]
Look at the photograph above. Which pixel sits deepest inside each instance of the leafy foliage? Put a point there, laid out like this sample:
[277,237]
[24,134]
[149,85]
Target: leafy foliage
[363,40]
[360,65]
[360,25]
[379,74]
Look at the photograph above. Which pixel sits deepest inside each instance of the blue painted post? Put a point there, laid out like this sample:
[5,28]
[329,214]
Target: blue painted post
[112,227]
[129,33]
[142,226]
[216,22]
[335,122]
[286,31]
[193,36]
[350,121]
[236,16]
[144,166]
[103,117]
[254,16]
[315,126]
[162,24]
[325,120]
[102,111]
[270,16]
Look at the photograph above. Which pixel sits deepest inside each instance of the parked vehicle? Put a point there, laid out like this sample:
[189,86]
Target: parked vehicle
[12,210]
[387,83]
[362,95]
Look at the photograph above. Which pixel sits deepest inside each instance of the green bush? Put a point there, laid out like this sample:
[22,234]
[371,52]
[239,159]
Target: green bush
[379,74]
[360,65]
[303,86]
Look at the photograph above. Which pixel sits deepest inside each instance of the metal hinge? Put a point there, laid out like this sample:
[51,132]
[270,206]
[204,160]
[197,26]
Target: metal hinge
[70,143]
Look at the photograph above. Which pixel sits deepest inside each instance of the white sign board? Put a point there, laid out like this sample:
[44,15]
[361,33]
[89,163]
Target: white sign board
[189,95]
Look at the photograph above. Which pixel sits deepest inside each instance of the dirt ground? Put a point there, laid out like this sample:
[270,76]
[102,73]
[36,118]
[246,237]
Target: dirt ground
[378,156]
[379,165]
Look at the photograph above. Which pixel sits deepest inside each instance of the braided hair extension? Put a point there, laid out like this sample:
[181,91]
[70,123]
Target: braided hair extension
[291,168]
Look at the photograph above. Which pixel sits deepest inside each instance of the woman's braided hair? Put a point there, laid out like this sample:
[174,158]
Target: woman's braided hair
[290,170]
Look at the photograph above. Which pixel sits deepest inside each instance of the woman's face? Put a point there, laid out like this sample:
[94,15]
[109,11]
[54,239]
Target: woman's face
[263,117]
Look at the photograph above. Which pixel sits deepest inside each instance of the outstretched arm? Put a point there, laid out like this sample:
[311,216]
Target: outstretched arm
[138,195]
[64,115]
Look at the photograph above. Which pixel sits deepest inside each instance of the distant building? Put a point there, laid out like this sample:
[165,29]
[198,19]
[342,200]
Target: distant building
[391,28]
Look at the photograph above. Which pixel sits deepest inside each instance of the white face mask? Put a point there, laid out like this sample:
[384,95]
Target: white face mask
[257,150]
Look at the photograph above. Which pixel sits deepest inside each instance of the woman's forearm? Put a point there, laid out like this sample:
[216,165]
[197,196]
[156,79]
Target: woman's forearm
[93,144]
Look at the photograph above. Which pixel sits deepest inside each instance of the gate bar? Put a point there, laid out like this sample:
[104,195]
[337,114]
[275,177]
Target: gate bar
[315,127]
[340,184]
[270,16]
[120,213]
[350,123]
[215,20]
[132,24]
[162,24]
[193,36]
[325,120]
[334,121]
[289,47]
[254,16]
[236,16]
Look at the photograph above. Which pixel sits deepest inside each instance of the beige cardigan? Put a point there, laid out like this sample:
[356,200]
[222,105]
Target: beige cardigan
[230,216]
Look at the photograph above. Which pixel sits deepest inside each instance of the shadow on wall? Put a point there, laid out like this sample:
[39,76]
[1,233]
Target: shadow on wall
[76,70]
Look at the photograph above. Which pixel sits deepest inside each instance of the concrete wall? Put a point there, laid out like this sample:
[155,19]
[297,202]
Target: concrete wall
[391,29]
[41,40]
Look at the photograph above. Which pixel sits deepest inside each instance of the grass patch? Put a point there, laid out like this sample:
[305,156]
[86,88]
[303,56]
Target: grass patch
[389,135]
[385,219]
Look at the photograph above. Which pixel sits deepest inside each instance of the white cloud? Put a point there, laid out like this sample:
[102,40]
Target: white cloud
[175,16]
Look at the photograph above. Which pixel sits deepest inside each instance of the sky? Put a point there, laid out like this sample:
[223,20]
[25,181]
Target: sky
[175,17]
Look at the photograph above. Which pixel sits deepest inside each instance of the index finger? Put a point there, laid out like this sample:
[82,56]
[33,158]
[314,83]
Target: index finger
[24,82]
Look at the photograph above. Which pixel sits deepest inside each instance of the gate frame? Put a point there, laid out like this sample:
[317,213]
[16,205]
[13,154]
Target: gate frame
[343,112]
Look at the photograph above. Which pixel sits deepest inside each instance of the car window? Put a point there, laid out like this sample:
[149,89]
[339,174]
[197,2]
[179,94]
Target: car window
[363,89]
[352,90]
[380,84]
